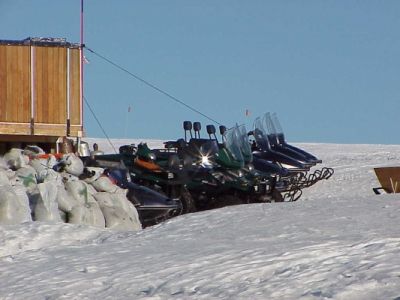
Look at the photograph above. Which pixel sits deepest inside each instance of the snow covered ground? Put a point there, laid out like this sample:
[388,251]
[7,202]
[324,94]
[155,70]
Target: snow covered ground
[339,241]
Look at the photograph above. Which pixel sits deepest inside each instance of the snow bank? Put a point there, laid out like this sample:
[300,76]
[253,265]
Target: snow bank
[339,241]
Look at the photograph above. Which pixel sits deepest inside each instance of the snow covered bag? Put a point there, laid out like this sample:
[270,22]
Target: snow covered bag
[3,164]
[120,197]
[104,184]
[73,164]
[14,202]
[11,209]
[44,168]
[15,159]
[94,172]
[65,201]
[78,189]
[89,214]
[44,202]
[23,200]
[27,176]
[4,178]
[5,172]
[87,210]
[33,151]
[115,215]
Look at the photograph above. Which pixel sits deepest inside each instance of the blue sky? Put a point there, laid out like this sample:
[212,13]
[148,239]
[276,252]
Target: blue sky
[330,69]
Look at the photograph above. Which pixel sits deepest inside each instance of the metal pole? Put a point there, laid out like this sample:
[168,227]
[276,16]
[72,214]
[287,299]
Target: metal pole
[81,63]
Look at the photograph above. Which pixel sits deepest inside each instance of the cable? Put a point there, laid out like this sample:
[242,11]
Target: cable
[151,85]
[98,123]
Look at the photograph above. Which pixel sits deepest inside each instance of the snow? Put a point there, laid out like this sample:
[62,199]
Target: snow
[339,241]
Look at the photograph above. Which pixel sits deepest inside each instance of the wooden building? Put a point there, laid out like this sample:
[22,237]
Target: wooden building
[40,91]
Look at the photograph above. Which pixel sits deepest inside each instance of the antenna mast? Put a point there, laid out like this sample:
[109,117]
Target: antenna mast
[82,61]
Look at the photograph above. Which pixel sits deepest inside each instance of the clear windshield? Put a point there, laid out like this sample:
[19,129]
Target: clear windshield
[269,123]
[244,141]
[232,143]
[260,133]
[259,130]
[277,124]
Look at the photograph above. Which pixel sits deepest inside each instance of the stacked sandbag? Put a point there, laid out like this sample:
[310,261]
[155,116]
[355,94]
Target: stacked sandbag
[86,210]
[44,203]
[41,187]
[118,211]
[42,195]
[14,203]
[45,199]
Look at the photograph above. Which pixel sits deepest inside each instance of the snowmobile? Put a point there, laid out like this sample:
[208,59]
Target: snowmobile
[293,164]
[217,170]
[152,206]
[159,173]
[278,143]
[284,186]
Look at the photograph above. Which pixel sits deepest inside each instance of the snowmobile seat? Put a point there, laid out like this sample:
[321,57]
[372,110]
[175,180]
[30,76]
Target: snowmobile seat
[180,143]
[210,129]
[187,125]
[222,129]
[127,149]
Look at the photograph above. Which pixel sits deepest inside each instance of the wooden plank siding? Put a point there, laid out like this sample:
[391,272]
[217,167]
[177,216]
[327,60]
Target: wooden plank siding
[50,90]
[50,85]
[14,84]
[75,81]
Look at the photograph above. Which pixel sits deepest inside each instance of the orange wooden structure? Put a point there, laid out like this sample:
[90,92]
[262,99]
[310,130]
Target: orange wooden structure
[389,178]
[40,90]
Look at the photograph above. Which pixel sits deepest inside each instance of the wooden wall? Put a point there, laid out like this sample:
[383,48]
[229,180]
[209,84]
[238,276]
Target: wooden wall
[15,96]
[37,91]
[74,89]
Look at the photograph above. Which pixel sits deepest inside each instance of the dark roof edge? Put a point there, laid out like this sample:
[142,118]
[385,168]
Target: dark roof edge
[46,42]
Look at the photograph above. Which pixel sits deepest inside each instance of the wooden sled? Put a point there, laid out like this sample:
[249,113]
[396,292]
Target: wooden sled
[389,178]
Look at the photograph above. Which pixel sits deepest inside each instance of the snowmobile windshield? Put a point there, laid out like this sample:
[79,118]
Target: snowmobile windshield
[276,123]
[232,144]
[209,148]
[269,123]
[244,141]
[260,134]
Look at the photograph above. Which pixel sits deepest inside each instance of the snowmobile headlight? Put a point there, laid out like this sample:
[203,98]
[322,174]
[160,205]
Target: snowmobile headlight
[152,156]
[240,173]
[205,161]
[251,167]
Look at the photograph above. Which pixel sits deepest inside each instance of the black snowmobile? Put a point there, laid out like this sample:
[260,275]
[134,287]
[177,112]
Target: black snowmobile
[153,205]
[271,152]
[217,170]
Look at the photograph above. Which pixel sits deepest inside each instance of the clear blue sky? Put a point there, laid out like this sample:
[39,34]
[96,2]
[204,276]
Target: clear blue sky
[330,69]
